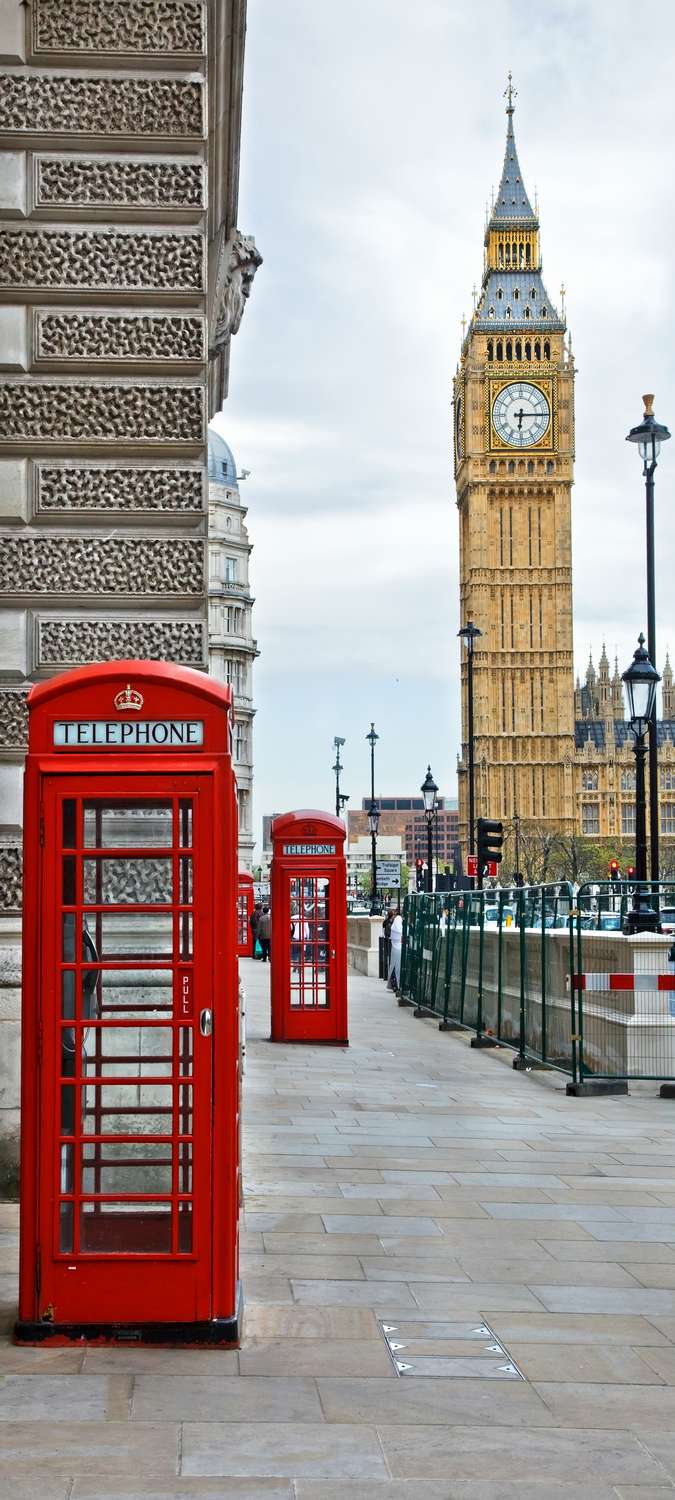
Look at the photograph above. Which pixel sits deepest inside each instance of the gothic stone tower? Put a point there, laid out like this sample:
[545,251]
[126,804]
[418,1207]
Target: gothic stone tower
[514,450]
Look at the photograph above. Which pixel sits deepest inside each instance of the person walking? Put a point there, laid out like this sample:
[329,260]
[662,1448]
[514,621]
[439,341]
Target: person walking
[396,940]
[265,932]
[254,923]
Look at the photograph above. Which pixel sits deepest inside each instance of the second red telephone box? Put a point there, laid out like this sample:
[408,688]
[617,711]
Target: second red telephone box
[309,928]
[245,900]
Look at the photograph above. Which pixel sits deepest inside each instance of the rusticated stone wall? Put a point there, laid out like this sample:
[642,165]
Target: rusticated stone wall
[119,145]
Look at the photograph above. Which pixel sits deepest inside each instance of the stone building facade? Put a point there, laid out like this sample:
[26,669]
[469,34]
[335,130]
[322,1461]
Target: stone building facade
[232,649]
[123,277]
[604,769]
[551,755]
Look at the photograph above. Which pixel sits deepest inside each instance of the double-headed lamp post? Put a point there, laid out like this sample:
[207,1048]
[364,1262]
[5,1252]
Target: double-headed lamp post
[641,679]
[429,790]
[373,820]
[649,435]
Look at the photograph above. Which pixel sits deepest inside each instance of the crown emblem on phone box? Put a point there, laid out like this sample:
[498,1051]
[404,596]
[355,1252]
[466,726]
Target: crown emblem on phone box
[128,698]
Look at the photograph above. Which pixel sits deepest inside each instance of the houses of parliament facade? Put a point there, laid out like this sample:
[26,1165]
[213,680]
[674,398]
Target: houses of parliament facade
[549,752]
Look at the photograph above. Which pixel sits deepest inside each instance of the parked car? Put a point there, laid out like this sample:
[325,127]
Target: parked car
[609,921]
[667,918]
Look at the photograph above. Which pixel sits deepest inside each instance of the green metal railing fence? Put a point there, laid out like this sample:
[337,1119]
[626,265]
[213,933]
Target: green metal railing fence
[550,973]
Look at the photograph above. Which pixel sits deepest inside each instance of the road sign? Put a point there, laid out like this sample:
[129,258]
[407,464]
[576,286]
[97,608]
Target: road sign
[472,866]
[388,874]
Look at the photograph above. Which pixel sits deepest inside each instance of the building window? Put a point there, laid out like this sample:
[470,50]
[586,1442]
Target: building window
[500,294]
[590,818]
[527,314]
[500,349]
[550,466]
[492,467]
[516,294]
[490,349]
[230,570]
[543,312]
[628,781]
[240,742]
[589,781]
[547,349]
[537,350]
[627,817]
[491,312]
[234,620]
[533,293]
[235,674]
[508,313]
[668,817]
[668,778]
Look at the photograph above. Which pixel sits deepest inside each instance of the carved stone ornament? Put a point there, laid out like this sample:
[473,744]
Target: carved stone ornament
[11,877]
[101,259]
[101,565]
[13,719]
[80,182]
[107,487]
[70,642]
[78,413]
[236,265]
[116,336]
[65,104]
[141,26]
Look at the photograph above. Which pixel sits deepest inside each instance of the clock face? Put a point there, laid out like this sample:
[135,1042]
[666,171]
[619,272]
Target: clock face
[521,414]
[458,426]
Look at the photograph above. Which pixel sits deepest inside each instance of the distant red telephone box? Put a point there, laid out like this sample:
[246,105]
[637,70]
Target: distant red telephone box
[309,928]
[245,903]
[129,1160]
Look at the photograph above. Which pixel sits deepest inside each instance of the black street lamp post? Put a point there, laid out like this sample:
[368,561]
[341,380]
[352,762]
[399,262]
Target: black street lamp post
[469,633]
[429,790]
[338,767]
[373,819]
[641,679]
[649,436]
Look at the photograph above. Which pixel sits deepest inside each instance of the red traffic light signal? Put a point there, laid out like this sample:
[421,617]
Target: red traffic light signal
[614,872]
[630,872]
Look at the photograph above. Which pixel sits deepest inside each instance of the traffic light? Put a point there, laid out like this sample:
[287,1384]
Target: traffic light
[614,871]
[630,872]
[490,840]
[419,874]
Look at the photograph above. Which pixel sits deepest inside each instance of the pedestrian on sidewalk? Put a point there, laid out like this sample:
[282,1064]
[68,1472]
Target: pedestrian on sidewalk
[396,940]
[265,932]
[254,923]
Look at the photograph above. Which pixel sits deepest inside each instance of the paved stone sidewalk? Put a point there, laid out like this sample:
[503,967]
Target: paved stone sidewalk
[517,1246]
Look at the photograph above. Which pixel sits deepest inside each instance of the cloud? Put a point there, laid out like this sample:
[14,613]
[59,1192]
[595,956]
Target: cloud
[372,134]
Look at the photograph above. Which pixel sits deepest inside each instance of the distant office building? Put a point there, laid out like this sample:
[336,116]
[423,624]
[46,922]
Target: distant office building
[445,834]
[395,814]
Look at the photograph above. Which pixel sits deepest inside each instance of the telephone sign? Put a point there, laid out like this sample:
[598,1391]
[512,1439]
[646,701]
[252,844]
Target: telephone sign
[104,734]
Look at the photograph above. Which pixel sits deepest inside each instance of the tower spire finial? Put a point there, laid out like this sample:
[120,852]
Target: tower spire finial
[510,93]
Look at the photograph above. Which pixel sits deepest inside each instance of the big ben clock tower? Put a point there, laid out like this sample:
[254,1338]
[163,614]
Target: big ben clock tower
[514,451]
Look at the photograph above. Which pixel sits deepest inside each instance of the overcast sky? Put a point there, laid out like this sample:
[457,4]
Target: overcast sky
[373,131]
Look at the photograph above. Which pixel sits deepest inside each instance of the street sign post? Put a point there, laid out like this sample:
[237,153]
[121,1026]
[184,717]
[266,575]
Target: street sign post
[388,874]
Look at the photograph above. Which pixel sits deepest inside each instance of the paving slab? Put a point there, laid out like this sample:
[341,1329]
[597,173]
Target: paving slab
[472,1453]
[302,1450]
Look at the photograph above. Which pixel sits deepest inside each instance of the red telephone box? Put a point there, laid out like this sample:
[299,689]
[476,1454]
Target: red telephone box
[309,928]
[129,1159]
[245,900]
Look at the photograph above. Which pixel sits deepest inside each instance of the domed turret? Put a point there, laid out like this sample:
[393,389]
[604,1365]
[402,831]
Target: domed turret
[222,467]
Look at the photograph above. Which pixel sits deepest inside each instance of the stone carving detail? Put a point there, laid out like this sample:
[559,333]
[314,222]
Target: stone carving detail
[65,181]
[11,877]
[100,413]
[142,26]
[127,880]
[101,259]
[238,261]
[108,336]
[67,105]
[108,488]
[70,642]
[101,565]
[13,719]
